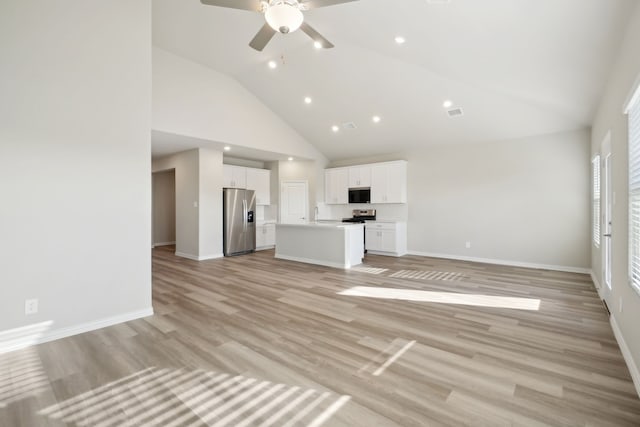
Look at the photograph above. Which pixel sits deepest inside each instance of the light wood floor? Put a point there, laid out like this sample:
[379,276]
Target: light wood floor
[411,341]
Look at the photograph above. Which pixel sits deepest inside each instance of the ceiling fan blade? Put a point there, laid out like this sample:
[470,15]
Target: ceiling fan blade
[311,32]
[262,37]
[314,4]
[253,5]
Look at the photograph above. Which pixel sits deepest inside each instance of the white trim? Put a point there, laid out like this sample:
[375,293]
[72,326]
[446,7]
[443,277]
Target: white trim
[18,338]
[564,268]
[264,248]
[164,243]
[597,284]
[626,353]
[214,256]
[395,254]
[198,258]
[188,256]
[311,261]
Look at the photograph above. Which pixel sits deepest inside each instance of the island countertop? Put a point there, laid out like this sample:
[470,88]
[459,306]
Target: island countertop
[324,223]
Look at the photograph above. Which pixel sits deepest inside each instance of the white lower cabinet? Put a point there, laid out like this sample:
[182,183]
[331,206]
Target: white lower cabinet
[386,238]
[265,236]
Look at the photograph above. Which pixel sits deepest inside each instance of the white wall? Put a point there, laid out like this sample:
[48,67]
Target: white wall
[164,207]
[198,175]
[520,202]
[303,170]
[524,201]
[75,221]
[192,100]
[186,166]
[210,201]
[610,117]
[227,160]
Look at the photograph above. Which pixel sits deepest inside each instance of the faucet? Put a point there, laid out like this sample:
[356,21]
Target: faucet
[316,210]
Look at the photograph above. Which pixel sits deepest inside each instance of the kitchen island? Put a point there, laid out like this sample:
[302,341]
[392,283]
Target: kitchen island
[339,245]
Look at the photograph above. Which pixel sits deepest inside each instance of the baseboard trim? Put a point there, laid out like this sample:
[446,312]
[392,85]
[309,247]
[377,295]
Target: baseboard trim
[198,258]
[310,261]
[187,256]
[596,283]
[26,336]
[164,243]
[393,254]
[505,262]
[206,257]
[626,353]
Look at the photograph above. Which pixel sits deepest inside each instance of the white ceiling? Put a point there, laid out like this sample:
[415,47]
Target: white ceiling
[517,67]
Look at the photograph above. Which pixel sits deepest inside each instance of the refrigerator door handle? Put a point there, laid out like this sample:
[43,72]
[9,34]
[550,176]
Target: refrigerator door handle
[244,215]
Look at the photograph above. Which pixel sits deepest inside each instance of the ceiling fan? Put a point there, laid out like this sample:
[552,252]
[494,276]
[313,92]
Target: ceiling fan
[284,16]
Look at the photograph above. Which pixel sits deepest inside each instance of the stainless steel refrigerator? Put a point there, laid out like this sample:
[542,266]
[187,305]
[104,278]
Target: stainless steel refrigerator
[238,221]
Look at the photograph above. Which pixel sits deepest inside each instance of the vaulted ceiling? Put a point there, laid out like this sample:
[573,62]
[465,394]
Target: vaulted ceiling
[517,68]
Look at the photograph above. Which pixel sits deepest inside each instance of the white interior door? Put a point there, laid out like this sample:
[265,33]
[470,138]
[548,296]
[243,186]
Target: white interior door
[606,225]
[294,202]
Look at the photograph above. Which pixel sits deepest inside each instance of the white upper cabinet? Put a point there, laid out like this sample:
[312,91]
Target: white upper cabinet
[360,176]
[336,186]
[389,182]
[259,180]
[234,176]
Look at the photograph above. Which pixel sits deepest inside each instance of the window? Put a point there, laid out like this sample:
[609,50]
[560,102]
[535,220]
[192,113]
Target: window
[633,111]
[595,163]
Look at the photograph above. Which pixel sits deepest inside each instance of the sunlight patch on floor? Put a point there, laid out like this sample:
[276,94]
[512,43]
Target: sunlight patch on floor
[428,275]
[370,270]
[21,376]
[181,397]
[477,300]
[387,357]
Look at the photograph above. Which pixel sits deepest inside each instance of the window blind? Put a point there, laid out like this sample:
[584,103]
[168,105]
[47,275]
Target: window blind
[634,193]
[596,199]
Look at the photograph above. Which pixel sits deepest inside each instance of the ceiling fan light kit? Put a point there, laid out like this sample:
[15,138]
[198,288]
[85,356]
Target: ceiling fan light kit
[283,16]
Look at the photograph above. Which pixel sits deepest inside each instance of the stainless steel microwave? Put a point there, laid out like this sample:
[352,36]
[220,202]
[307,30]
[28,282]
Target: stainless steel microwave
[359,195]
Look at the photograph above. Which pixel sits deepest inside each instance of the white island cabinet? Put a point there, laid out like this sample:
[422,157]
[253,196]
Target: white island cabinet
[336,245]
[386,238]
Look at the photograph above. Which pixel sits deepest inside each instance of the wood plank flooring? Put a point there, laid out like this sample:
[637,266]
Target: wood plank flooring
[409,341]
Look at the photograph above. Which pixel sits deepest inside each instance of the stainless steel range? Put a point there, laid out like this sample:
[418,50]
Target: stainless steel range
[361,215]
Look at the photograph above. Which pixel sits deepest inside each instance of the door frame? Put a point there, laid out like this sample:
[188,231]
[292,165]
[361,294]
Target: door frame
[306,196]
[606,206]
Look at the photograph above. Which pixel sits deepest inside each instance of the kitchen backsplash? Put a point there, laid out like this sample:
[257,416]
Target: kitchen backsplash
[391,212]
[266,213]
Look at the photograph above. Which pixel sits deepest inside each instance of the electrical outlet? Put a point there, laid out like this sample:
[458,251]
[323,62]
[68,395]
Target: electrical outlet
[30,306]
[467,245]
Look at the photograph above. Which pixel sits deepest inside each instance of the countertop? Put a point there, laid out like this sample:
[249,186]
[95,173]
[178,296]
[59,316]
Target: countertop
[325,224]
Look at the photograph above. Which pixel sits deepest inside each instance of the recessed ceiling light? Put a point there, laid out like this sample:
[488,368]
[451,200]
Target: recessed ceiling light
[290,158]
[317,44]
[400,39]
[227,148]
[447,104]
[273,64]
[335,128]
[307,100]
[376,119]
